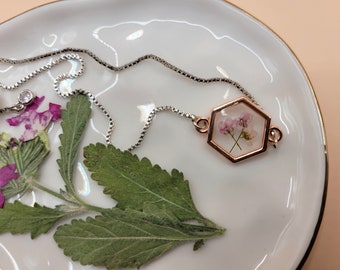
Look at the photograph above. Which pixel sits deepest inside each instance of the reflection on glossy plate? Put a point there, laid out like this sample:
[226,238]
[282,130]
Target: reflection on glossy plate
[270,204]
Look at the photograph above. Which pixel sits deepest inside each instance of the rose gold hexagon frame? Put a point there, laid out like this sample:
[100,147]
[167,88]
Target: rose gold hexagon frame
[236,130]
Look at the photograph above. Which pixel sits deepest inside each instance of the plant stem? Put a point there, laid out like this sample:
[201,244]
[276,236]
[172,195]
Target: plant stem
[88,206]
[46,189]
[236,141]
[78,200]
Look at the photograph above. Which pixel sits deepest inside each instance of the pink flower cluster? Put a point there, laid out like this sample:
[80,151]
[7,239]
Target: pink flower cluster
[238,128]
[35,121]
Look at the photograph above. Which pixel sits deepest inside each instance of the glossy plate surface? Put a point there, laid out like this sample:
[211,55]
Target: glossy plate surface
[270,204]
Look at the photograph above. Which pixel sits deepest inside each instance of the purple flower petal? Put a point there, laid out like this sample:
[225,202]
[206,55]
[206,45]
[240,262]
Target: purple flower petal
[55,110]
[14,121]
[27,113]
[17,120]
[29,134]
[43,120]
[2,199]
[35,104]
[7,173]
[35,121]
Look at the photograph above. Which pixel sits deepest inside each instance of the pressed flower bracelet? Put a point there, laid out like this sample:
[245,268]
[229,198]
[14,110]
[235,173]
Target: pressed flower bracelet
[237,129]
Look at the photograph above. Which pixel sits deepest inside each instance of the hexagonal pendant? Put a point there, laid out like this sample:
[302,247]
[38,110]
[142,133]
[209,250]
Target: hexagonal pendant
[239,129]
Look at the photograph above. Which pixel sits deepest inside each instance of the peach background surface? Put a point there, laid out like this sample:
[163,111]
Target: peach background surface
[312,30]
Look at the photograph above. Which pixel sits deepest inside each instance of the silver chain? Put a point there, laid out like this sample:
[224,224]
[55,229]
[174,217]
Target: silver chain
[151,116]
[49,66]
[73,54]
[64,57]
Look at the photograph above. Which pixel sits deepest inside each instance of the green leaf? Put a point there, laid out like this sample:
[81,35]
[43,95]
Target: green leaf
[198,244]
[4,143]
[28,157]
[134,183]
[126,238]
[19,186]
[74,120]
[18,218]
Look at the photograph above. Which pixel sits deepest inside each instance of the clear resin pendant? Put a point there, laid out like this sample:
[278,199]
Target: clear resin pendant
[239,129]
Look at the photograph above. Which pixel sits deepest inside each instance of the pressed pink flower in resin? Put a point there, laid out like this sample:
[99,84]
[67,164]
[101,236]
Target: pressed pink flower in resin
[238,128]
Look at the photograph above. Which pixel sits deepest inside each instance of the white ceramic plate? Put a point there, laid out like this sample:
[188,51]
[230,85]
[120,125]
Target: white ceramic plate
[270,204]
